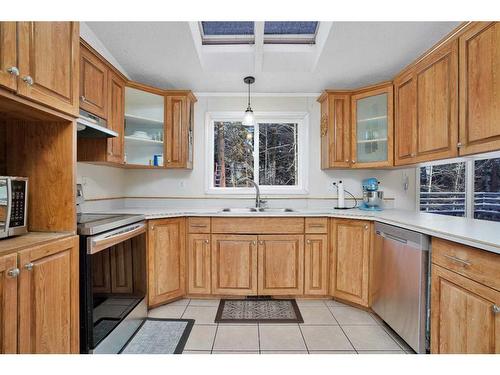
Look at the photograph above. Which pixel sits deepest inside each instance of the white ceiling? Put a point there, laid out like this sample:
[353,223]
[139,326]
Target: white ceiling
[349,55]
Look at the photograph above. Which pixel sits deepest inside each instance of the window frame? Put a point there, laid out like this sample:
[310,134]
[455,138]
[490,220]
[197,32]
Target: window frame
[302,121]
[234,39]
[469,179]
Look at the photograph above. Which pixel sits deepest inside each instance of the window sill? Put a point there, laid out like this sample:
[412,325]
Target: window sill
[250,192]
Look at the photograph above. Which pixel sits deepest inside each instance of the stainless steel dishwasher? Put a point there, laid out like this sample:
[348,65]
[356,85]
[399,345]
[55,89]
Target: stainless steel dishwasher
[401,283]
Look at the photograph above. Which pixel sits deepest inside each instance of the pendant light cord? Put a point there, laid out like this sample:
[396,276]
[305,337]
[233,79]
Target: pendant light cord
[248,96]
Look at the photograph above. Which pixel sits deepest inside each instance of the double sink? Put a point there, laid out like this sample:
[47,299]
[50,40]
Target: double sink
[256,210]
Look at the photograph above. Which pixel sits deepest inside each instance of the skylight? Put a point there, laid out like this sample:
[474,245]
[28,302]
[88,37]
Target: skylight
[243,32]
[236,32]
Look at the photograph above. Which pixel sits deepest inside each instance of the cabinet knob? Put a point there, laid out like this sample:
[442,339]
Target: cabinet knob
[207,241]
[353,161]
[308,241]
[254,242]
[366,227]
[14,272]
[83,99]
[28,266]
[496,309]
[412,154]
[13,70]
[261,242]
[459,144]
[29,80]
[347,160]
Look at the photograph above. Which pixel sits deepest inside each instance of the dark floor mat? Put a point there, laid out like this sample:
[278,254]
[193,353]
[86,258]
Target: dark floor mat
[258,311]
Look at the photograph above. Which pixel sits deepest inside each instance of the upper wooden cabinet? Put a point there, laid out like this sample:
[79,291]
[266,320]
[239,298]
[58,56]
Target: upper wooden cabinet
[9,70]
[480,88]
[93,83]
[116,119]
[281,265]
[166,260]
[234,264]
[179,130]
[49,298]
[48,63]
[426,105]
[350,253]
[372,127]
[335,130]
[8,304]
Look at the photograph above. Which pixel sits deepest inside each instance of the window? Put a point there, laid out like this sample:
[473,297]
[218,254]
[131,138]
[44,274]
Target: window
[469,187]
[267,153]
[237,32]
[290,32]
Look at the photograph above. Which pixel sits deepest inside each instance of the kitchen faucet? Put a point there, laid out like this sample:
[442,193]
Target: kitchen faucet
[258,201]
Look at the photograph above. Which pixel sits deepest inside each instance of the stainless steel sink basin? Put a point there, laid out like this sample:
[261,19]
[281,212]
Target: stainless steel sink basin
[252,209]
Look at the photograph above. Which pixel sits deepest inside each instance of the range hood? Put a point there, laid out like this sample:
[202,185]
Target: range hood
[90,126]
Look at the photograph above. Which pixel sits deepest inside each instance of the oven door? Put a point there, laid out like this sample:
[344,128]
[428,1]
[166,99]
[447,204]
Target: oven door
[113,281]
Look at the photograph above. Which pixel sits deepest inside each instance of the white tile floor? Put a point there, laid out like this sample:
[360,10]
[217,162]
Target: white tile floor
[329,327]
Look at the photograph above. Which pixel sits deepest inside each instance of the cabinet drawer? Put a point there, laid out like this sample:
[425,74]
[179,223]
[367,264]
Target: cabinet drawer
[316,224]
[478,265]
[199,225]
[243,225]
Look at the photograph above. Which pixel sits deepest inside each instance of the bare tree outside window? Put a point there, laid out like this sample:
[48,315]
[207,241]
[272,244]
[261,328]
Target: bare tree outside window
[487,189]
[276,148]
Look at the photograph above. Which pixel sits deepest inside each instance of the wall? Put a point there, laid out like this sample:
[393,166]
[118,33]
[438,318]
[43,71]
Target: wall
[179,183]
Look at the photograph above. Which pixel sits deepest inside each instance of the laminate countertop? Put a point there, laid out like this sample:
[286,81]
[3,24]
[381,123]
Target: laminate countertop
[477,233]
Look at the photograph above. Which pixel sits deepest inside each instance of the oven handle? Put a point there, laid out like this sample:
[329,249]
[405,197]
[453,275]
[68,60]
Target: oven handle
[106,240]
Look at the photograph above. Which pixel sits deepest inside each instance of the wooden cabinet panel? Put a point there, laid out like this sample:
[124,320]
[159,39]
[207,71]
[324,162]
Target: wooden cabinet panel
[93,84]
[281,264]
[405,126]
[199,225]
[8,55]
[266,225]
[480,88]
[121,268]
[350,250]
[199,257]
[8,304]
[316,225]
[49,298]
[462,315]
[101,277]
[48,63]
[166,260]
[116,117]
[234,264]
[335,130]
[316,264]
[437,104]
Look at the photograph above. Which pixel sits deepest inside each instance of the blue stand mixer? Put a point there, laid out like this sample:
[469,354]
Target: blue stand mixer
[372,196]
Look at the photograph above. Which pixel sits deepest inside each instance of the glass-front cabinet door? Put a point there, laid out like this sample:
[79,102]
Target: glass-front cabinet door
[144,128]
[372,128]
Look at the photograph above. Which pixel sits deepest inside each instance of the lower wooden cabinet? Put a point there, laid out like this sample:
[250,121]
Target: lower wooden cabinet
[350,253]
[48,298]
[234,264]
[316,264]
[281,265]
[199,256]
[166,260]
[8,304]
[463,319]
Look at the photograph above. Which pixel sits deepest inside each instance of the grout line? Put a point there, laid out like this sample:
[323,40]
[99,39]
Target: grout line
[215,336]
[345,334]
[258,336]
[304,339]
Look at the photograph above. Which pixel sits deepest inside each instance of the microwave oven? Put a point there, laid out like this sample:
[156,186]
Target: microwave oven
[13,206]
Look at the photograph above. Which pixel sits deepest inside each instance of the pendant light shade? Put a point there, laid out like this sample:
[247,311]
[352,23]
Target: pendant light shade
[249,117]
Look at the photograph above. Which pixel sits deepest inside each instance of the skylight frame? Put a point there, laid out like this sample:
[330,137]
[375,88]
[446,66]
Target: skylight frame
[292,38]
[226,39]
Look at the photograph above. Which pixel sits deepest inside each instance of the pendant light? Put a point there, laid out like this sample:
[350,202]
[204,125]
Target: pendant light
[249,118]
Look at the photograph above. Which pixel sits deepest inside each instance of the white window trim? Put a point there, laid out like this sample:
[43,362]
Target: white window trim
[302,120]
[469,178]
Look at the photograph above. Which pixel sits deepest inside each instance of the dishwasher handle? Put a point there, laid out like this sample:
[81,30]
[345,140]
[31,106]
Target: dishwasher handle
[392,237]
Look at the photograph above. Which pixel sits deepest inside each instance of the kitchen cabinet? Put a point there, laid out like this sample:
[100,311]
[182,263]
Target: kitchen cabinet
[166,260]
[48,54]
[426,108]
[316,264]
[93,83]
[372,127]
[144,126]
[48,298]
[199,258]
[463,319]
[280,264]
[335,130]
[8,304]
[9,70]
[234,264]
[465,299]
[480,88]
[179,130]
[350,253]
[116,119]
